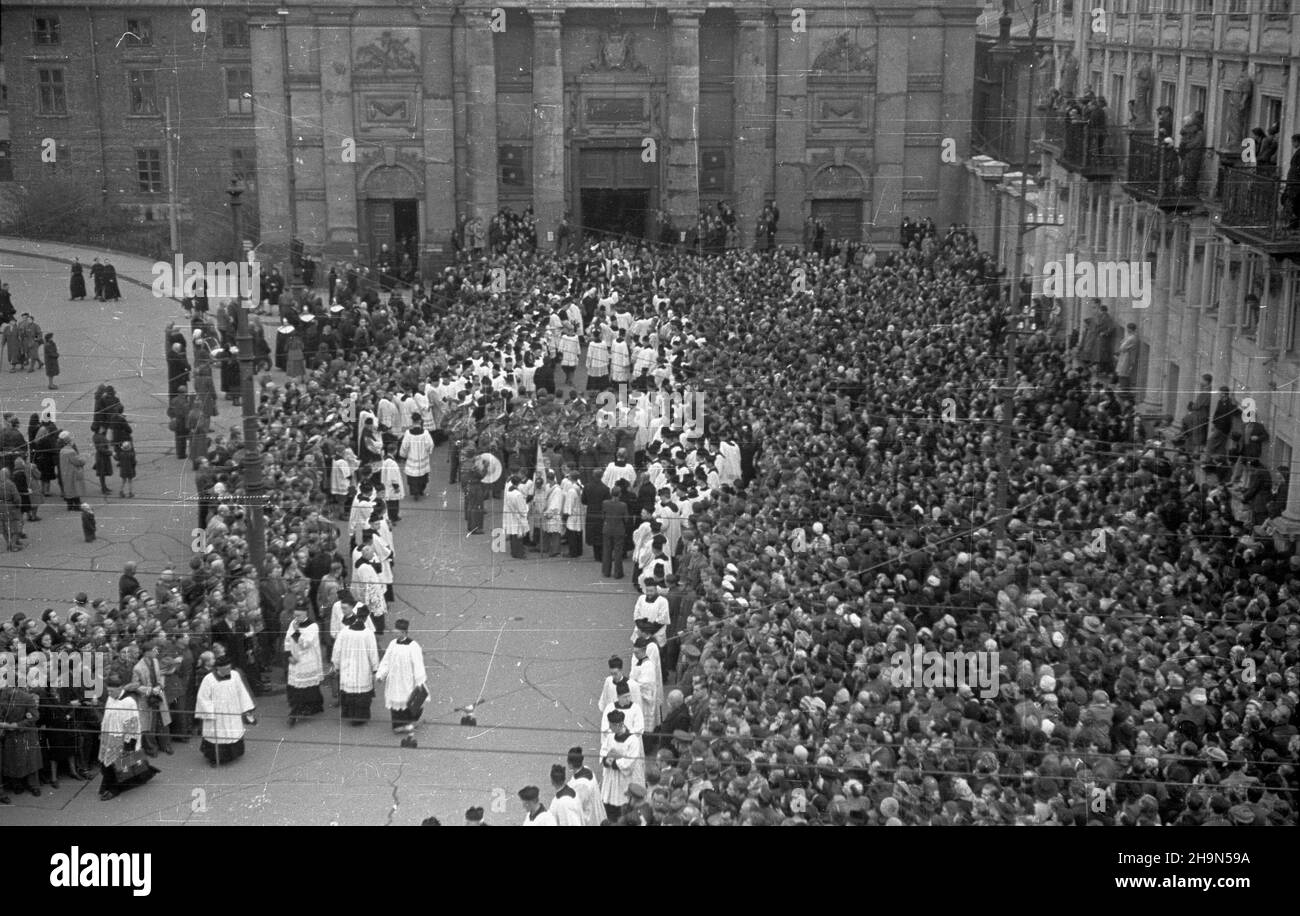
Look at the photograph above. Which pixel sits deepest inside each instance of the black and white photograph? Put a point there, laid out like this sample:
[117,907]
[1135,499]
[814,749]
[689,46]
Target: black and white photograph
[652,413]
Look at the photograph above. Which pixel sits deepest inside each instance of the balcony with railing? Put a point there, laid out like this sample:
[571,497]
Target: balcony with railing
[1257,210]
[1093,152]
[1158,173]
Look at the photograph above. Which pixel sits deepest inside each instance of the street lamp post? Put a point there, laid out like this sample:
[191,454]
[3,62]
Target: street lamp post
[252,457]
[283,13]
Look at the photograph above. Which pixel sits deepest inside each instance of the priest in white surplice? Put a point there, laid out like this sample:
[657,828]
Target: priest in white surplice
[356,656]
[402,671]
[306,670]
[645,674]
[621,764]
[224,707]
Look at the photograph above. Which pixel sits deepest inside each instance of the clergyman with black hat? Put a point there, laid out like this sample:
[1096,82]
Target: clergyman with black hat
[622,764]
[224,706]
[402,671]
[535,811]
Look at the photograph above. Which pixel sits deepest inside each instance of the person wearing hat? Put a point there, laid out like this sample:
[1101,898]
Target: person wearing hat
[224,707]
[119,735]
[583,783]
[474,817]
[403,674]
[565,807]
[514,519]
[622,764]
[535,812]
[306,670]
[71,472]
[356,656]
[626,701]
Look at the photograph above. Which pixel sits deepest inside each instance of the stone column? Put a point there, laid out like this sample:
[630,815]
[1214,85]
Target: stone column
[681,178]
[482,115]
[338,119]
[793,53]
[271,126]
[439,138]
[752,167]
[548,126]
[1156,322]
[887,206]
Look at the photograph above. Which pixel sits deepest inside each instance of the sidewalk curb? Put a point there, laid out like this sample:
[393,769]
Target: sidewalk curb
[58,260]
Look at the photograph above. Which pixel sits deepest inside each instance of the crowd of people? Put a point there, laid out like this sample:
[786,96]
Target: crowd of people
[835,504]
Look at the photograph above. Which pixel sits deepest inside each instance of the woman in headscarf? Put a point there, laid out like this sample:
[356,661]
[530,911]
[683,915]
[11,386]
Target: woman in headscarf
[119,735]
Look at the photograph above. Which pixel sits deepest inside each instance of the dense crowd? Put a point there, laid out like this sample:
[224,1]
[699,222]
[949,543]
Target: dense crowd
[837,505]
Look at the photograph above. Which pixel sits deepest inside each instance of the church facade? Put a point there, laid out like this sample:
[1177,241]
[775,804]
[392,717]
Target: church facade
[402,117]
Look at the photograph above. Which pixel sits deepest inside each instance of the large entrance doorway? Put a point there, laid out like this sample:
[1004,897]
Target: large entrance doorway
[842,218]
[616,191]
[616,211]
[395,223]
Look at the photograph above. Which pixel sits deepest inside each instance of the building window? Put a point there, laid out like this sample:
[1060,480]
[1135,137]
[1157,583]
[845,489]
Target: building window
[6,162]
[243,165]
[510,160]
[234,33]
[239,90]
[1271,110]
[1168,93]
[139,32]
[45,30]
[1292,337]
[144,92]
[1198,99]
[1278,9]
[1118,102]
[1203,8]
[52,96]
[148,168]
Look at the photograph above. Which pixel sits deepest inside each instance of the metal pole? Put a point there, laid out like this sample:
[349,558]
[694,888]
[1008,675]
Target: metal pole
[252,461]
[1008,405]
[171,176]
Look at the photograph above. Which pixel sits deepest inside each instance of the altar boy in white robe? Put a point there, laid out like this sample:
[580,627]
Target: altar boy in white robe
[224,706]
[356,655]
[402,671]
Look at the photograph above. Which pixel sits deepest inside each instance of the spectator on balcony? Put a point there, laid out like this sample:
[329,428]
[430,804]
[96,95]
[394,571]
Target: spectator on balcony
[1265,152]
[1164,122]
[1097,125]
[1191,150]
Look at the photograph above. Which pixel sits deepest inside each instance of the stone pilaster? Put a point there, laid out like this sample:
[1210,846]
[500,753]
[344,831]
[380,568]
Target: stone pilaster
[888,207]
[752,161]
[271,126]
[792,58]
[339,121]
[481,133]
[681,179]
[548,126]
[439,138]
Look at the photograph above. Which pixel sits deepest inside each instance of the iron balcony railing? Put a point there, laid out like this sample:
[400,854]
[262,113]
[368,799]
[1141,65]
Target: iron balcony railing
[1161,172]
[1258,205]
[1092,150]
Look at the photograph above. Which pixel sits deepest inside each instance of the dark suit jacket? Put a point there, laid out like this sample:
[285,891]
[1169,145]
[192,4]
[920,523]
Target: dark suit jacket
[614,517]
